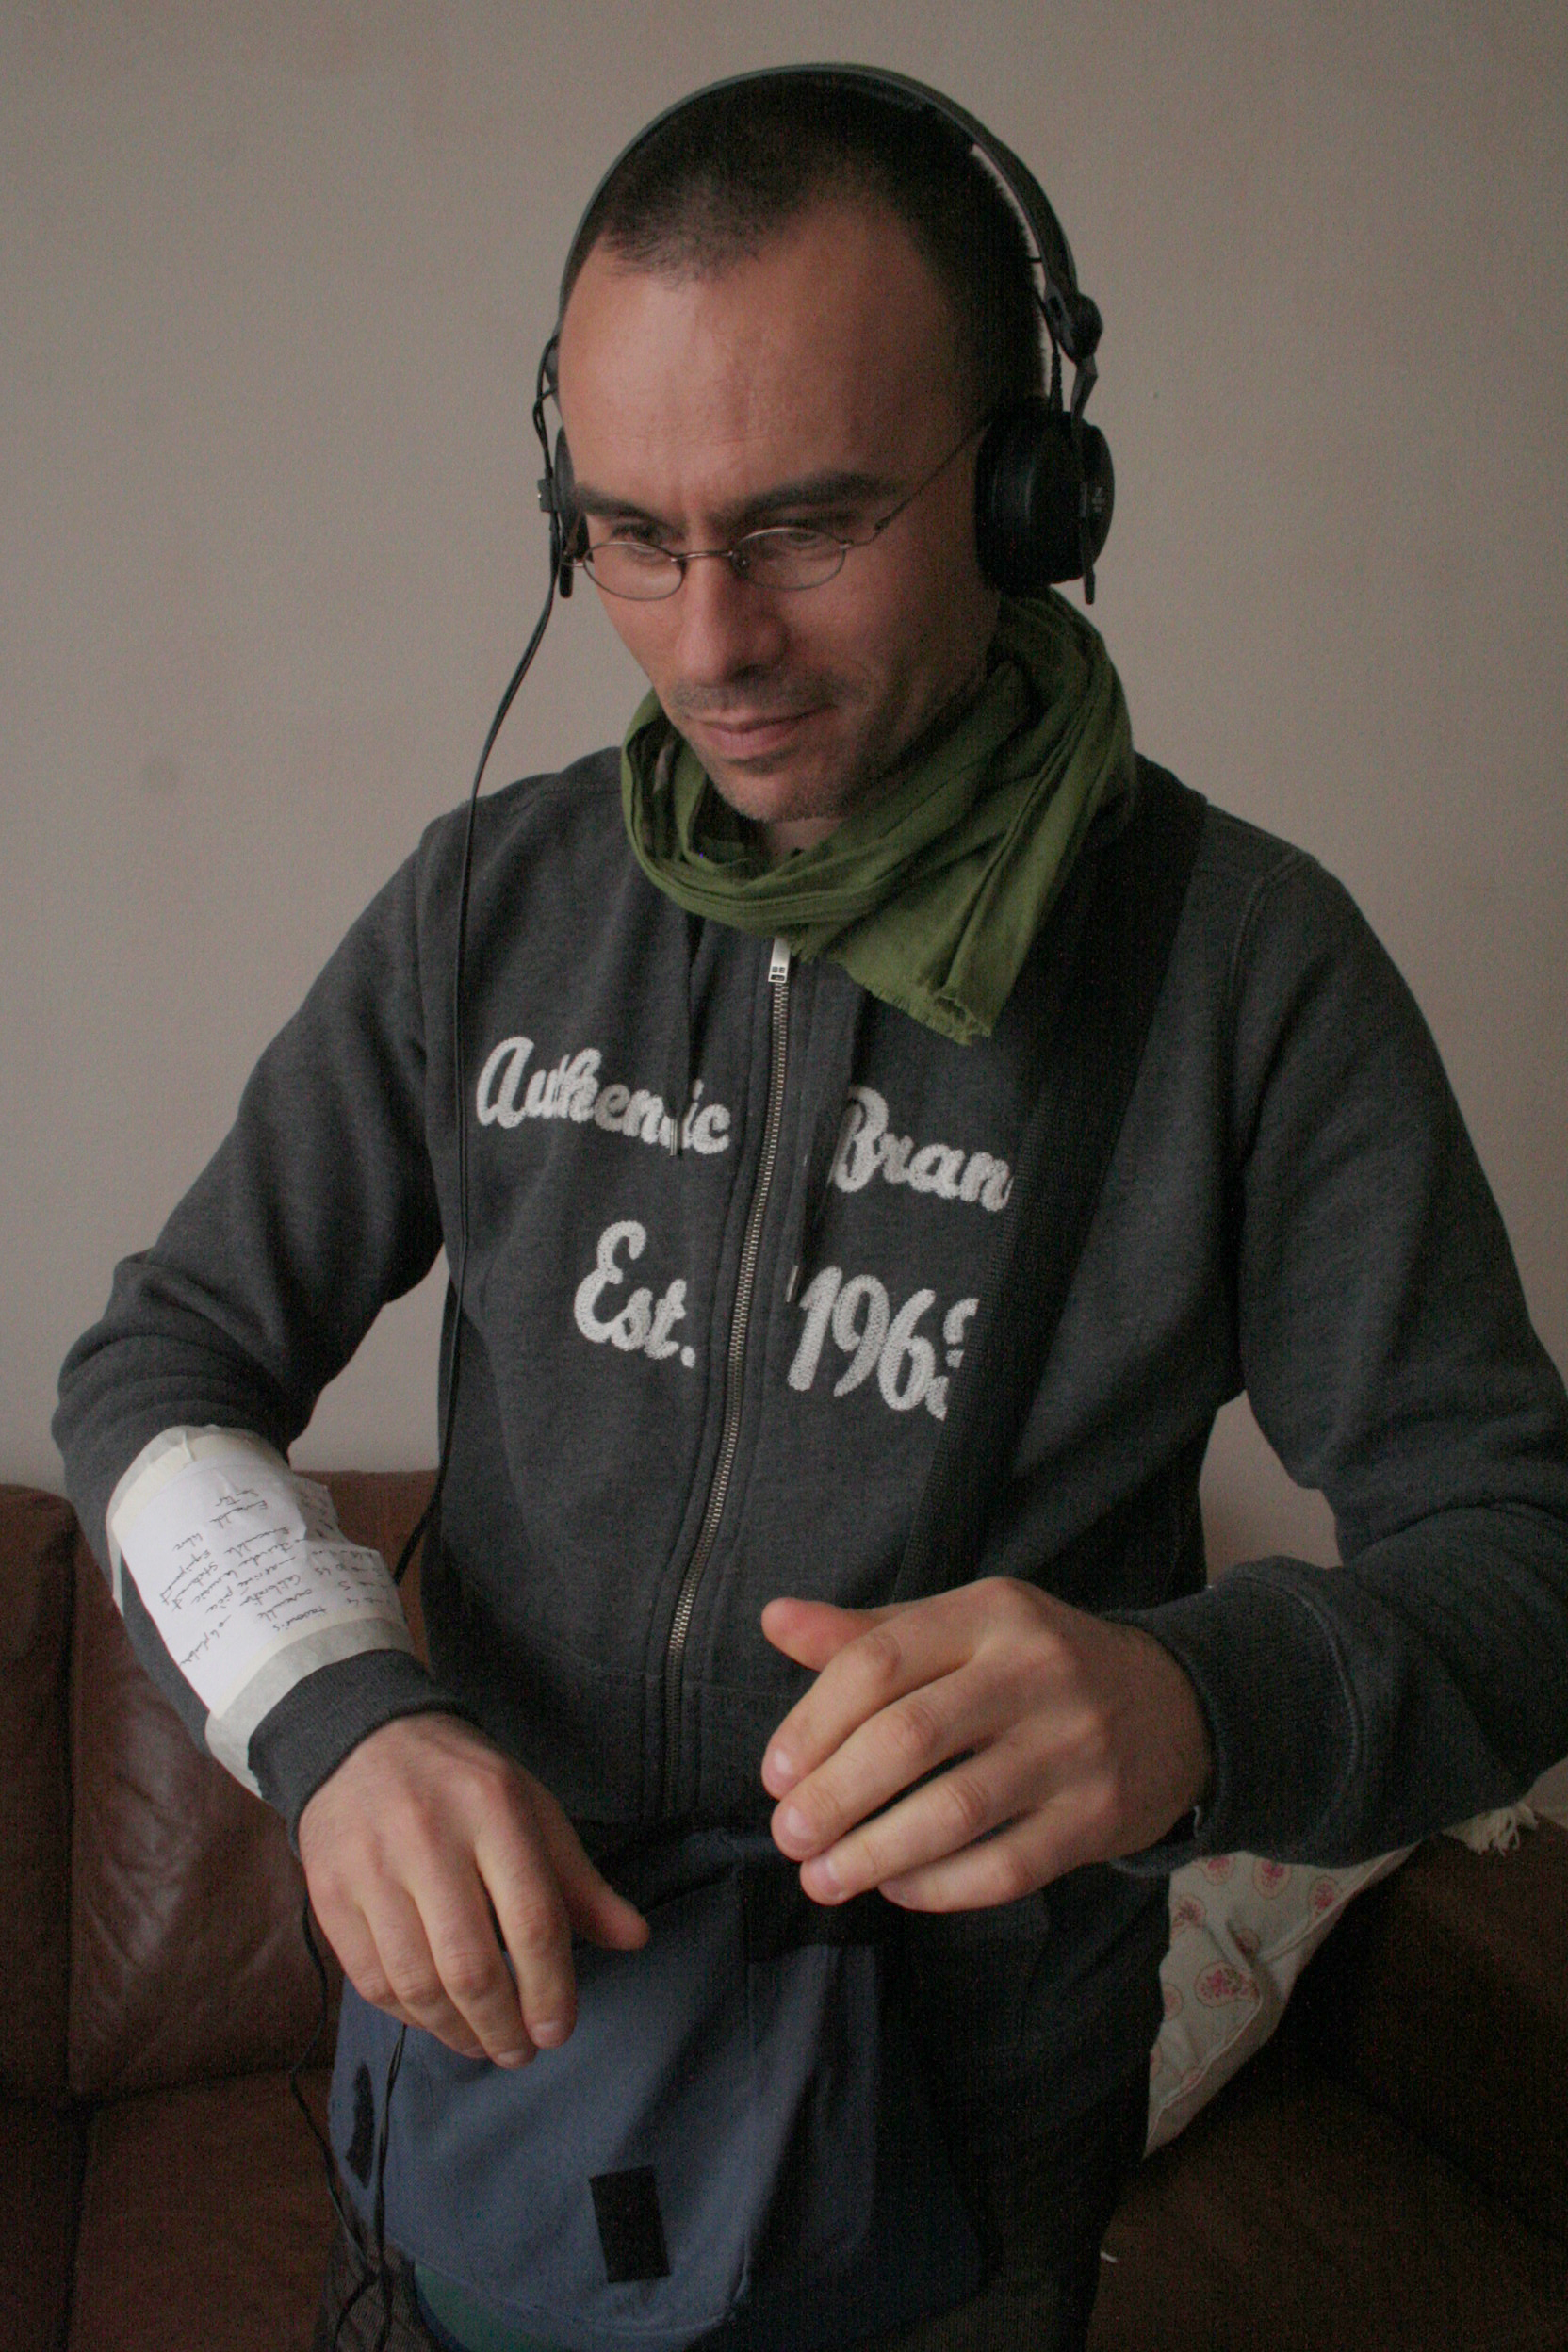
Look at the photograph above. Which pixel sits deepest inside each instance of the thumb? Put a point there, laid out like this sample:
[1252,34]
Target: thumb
[812,1632]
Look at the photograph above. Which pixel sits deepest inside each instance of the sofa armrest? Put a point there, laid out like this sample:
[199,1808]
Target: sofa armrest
[187,1956]
[38,1550]
[1441,1998]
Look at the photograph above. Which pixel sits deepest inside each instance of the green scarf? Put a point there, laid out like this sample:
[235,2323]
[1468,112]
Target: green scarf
[930,897]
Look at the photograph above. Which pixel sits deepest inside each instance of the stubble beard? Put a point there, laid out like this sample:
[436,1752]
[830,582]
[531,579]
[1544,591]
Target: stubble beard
[840,788]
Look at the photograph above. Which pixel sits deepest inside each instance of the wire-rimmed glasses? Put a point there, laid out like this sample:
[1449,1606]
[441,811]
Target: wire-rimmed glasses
[787,556]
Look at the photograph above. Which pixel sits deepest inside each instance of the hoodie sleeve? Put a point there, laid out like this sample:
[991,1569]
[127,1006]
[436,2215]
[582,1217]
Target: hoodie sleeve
[319,1207]
[1390,1361]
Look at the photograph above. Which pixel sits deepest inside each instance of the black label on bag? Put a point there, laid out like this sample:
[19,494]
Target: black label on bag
[631,2228]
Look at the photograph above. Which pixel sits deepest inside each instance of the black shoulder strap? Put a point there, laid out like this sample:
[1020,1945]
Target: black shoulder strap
[1116,926]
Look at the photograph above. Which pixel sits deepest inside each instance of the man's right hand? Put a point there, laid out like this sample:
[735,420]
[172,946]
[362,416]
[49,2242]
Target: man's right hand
[431,1859]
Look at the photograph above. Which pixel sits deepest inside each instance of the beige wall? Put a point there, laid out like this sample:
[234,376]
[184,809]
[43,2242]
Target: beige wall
[272,283]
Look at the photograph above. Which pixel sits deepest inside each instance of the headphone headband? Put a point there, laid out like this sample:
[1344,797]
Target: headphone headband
[1072,320]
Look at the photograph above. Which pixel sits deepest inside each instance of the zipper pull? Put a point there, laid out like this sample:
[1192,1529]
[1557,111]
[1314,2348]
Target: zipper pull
[778,963]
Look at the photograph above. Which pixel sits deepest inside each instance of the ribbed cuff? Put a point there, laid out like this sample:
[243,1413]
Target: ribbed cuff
[1267,1677]
[323,1717]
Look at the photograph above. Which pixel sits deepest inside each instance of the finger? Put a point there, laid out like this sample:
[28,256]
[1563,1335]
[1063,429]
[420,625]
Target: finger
[423,1971]
[532,1918]
[595,1911]
[902,1649]
[348,1931]
[1018,1861]
[901,1746]
[945,1817]
[812,1632]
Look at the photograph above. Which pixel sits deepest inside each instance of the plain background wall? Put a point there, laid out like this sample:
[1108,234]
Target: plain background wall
[274,280]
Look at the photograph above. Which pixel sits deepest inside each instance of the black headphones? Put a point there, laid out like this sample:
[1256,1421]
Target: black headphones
[1043,485]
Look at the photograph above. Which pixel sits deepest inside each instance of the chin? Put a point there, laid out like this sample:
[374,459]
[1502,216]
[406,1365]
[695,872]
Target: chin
[766,792]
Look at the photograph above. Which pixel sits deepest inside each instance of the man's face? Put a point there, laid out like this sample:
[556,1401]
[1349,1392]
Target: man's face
[814,382]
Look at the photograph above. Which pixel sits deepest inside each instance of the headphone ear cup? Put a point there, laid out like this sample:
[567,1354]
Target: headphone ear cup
[1098,503]
[1041,488]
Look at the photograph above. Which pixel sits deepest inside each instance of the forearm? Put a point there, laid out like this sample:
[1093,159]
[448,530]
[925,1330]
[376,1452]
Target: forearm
[1386,1350]
[320,1207]
[1359,1709]
[282,1644]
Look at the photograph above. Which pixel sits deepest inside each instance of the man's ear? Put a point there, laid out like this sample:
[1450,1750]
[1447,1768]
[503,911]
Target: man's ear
[568,529]
[574,527]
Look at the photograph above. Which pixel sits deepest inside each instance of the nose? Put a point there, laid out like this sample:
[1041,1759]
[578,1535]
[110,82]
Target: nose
[727,626]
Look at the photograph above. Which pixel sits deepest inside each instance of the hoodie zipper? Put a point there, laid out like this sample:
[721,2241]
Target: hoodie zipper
[674,1654]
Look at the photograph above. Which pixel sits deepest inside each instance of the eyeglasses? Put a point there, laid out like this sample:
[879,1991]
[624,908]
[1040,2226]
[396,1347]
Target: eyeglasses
[784,555]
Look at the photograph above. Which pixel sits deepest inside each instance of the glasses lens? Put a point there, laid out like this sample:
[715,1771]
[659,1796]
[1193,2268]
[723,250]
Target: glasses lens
[633,567]
[786,556]
[780,557]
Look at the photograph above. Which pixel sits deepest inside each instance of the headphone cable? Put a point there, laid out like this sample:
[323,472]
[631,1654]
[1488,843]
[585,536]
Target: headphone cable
[427,1518]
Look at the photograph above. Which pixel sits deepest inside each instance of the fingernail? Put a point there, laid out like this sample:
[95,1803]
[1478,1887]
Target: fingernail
[779,1767]
[509,2058]
[821,1878]
[791,1826]
[550,2033]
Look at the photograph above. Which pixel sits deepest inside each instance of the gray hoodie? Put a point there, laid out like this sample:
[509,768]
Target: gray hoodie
[726,1232]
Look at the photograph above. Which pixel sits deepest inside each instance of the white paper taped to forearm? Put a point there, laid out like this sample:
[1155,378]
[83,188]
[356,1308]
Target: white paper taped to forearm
[244,1571]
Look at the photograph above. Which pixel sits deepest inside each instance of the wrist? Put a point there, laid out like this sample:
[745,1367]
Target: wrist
[1186,1741]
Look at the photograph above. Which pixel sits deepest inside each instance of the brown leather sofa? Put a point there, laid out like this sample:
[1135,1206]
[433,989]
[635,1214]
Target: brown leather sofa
[1392,2172]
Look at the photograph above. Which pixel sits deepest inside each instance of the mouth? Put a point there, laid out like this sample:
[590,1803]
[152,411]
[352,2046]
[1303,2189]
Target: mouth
[755,735]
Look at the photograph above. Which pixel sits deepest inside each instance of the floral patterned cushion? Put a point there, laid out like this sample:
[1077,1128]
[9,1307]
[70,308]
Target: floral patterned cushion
[1242,1929]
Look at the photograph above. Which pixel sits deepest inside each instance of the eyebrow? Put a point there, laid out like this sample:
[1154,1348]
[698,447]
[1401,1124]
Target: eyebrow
[821,492]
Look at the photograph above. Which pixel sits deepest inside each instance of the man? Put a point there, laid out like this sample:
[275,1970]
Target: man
[751,1020]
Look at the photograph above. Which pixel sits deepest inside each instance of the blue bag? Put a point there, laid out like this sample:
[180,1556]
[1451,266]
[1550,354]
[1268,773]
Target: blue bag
[735,2133]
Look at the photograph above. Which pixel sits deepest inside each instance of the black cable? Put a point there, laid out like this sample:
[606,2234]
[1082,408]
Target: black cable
[460,1082]
[377,2272]
[308,2053]
[378,2216]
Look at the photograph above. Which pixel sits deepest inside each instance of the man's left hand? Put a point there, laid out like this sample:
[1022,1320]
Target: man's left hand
[1067,1740]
